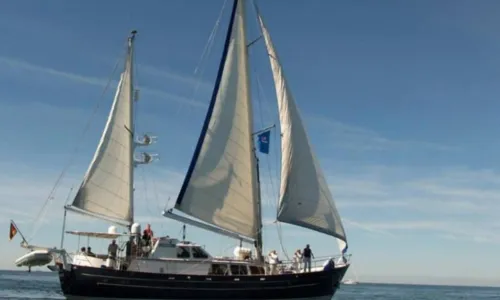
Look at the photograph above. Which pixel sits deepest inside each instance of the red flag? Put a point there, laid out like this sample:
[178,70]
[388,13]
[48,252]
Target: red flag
[12,231]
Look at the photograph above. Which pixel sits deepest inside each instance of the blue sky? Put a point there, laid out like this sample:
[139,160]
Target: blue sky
[400,99]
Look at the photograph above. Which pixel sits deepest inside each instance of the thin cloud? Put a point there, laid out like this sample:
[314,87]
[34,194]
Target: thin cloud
[454,205]
[362,139]
[168,75]
[366,227]
[29,189]
[19,64]
[458,230]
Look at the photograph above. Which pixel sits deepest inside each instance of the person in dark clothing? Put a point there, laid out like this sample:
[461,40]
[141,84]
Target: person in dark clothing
[307,254]
[89,252]
[128,248]
[112,250]
[147,235]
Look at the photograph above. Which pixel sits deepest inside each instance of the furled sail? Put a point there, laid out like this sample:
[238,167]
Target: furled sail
[305,199]
[107,189]
[221,186]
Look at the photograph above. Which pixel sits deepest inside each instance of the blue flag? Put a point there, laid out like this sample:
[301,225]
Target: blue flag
[345,249]
[264,141]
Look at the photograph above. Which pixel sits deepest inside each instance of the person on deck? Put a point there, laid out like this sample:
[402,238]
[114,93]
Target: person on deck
[112,250]
[273,261]
[82,250]
[307,254]
[147,234]
[89,252]
[297,260]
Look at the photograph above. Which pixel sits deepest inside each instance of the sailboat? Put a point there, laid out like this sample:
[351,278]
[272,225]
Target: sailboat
[220,194]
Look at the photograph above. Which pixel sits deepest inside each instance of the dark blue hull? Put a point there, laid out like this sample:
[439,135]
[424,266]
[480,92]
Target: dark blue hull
[88,282]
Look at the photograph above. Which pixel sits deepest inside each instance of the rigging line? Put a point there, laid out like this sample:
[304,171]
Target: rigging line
[260,93]
[181,230]
[280,238]
[275,190]
[268,163]
[135,65]
[75,151]
[200,66]
[146,198]
[264,101]
[277,156]
[261,99]
[199,69]
[277,134]
[155,191]
[207,49]
[145,191]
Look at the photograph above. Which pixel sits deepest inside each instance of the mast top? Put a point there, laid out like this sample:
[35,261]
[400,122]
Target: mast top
[132,34]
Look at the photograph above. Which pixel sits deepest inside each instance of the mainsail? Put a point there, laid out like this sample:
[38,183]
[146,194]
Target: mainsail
[221,187]
[107,189]
[305,199]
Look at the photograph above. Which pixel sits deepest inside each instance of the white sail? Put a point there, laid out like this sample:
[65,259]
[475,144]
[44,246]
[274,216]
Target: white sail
[107,189]
[305,199]
[220,187]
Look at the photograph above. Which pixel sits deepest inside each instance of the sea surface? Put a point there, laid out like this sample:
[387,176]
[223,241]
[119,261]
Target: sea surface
[45,285]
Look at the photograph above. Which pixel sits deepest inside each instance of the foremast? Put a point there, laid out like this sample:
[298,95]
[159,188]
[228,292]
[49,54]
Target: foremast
[129,64]
[107,190]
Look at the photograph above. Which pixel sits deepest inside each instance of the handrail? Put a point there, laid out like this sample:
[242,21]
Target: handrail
[284,266]
[347,258]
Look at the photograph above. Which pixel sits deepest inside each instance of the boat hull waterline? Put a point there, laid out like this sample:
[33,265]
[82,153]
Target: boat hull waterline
[102,283]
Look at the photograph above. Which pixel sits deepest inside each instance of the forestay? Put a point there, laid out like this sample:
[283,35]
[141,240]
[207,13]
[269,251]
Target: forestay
[107,189]
[221,184]
[305,199]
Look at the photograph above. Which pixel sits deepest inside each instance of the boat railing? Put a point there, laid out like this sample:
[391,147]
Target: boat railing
[316,263]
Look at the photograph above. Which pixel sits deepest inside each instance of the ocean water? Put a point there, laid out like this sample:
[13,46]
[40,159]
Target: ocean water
[45,285]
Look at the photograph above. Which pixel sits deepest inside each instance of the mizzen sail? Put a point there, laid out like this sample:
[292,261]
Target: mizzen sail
[221,187]
[305,199]
[107,189]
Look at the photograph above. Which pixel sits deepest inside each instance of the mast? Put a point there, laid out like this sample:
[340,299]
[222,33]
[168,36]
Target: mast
[221,186]
[106,191]
[259,243]
[130,64]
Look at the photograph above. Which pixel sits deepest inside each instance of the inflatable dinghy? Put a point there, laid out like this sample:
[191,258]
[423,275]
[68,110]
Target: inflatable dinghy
[34,259]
